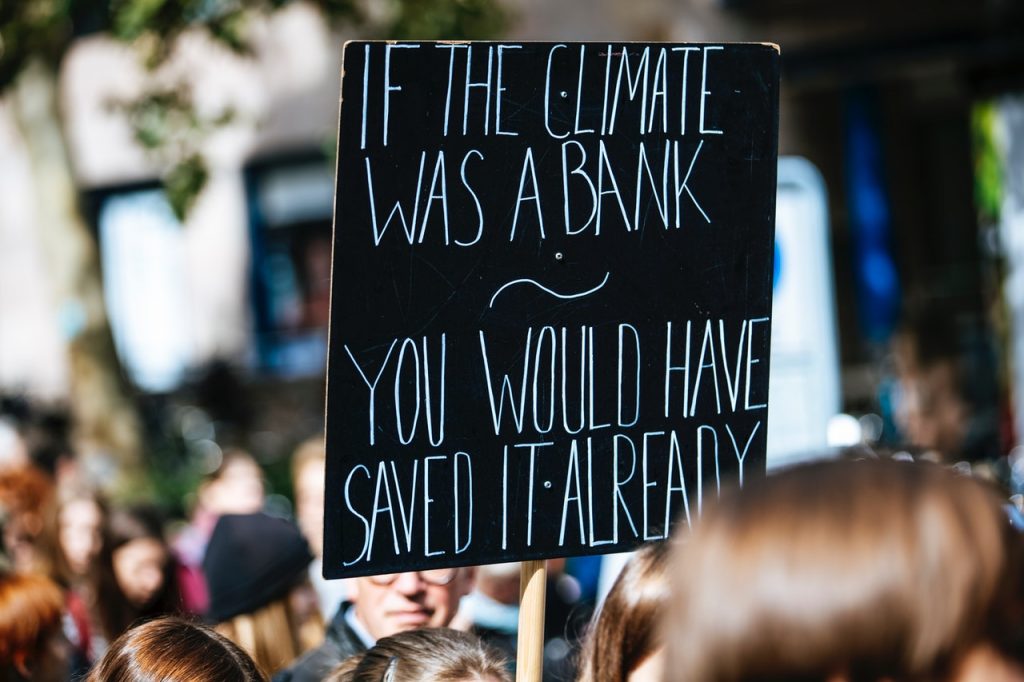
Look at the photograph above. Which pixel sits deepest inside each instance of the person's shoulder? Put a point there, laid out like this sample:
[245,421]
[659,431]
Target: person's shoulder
[317,663]
[313,666]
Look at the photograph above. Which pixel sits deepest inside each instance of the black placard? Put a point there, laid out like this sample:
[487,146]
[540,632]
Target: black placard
[551,296]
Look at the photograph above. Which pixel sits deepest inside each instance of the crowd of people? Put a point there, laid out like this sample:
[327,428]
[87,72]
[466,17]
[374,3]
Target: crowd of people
[856,569]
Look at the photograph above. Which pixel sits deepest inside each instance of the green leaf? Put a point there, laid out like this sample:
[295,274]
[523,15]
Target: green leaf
[988,161]
[183,184]
[447,20]
[133,18]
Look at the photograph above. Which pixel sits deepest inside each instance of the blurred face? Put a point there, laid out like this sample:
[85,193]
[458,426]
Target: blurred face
[139,570]
[931,412]
[409,602]
[238,489]
[19,541]
[309,503]
[80,534]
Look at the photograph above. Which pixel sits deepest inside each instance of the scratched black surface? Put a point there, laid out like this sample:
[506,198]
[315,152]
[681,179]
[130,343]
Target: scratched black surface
[696,272]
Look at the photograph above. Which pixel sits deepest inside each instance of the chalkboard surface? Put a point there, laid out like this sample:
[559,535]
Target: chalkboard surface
[551,296]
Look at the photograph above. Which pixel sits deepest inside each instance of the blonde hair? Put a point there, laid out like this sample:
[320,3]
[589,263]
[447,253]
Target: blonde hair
[425,655]
[272,636]
[848,570]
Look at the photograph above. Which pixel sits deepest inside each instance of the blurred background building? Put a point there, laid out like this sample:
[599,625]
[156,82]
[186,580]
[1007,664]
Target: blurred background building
[899,313]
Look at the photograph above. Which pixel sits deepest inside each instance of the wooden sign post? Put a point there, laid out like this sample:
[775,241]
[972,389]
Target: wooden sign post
[530,643]
[551,298]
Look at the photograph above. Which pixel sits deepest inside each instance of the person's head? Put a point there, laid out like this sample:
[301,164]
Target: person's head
[848,570]
[80,517]
[426,655]
[946,397]
[235,487]
[174,650]
[32,644]
[260,596]
[624,641]
[308,482]
[499,582]
[27,520]
[395,602]
[932,413]
[135,575]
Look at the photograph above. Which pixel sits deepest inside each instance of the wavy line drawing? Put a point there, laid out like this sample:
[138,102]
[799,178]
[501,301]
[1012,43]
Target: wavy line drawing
[527,280]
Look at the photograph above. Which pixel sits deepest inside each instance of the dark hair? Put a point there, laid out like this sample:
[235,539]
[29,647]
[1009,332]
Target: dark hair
[859,570]
[30,611]
[174,650]
[116,612]
[425,655]
[627,628]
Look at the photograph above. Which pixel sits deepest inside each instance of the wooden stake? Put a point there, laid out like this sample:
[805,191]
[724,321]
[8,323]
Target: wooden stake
[533,576]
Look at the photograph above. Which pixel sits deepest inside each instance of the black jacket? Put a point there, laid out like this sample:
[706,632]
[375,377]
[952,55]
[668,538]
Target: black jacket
[340,642]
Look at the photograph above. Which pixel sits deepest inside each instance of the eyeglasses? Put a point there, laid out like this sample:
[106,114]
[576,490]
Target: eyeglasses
[433,576]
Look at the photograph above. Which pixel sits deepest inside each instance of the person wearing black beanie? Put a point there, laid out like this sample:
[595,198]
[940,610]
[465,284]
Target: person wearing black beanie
[260,596]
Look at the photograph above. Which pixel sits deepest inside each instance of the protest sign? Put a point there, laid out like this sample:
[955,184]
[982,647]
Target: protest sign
[551,296]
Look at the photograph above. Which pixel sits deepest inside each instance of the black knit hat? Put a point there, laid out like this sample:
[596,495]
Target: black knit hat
[251,560]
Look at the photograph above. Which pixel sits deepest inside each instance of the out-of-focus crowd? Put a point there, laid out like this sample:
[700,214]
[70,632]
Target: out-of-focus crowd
[91,570]
[855,569]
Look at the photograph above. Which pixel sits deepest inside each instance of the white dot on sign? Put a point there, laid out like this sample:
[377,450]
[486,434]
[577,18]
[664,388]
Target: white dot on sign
[559,256]
[564,93]
[547,484]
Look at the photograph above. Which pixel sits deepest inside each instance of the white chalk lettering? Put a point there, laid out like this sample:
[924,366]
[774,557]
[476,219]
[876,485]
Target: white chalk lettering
[501,89]
[520,197]
[372,386]
[751,361]
[572,477]
[648,484]
[427,501]
[704,92]
[740,457]
[468,464]
[362,519]
[547,95]
[388,88]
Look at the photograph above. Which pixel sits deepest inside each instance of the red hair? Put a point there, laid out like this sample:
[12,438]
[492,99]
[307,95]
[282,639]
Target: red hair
[30,611]
[27,501]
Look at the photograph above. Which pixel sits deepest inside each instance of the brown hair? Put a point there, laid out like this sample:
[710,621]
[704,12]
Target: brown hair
[271,634]
[855,570]
[30,611]
[425,655]
[116,613]
[174,650]
[626,629]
